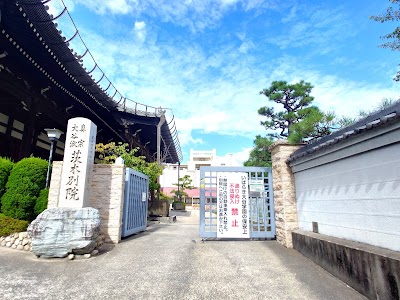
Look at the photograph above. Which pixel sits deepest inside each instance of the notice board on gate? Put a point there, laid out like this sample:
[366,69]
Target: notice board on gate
[232,205]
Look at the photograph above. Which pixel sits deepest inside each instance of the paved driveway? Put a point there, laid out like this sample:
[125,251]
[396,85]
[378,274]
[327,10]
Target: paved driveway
[169,261]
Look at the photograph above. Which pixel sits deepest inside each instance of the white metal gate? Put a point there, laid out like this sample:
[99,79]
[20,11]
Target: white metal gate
[258,211]
[134,218]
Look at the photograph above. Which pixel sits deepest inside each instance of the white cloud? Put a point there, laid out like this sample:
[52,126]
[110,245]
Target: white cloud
[140,25]
[313,27]
[196,15]
[246,46]
[290,16]
[214,88]
[235,158]
[110,6]
[229,2]
[262,5]
[57,7]
[347,98]
[177,77]
[140,31]
[186,138]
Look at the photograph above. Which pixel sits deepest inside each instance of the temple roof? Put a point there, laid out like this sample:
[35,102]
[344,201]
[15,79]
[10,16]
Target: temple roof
[34,50]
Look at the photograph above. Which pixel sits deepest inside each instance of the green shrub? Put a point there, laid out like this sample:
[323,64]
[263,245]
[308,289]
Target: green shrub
[165,197]
[6,166]
[9,225]
[26,180]
[41,201]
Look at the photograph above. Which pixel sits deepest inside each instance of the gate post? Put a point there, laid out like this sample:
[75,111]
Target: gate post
[284,192]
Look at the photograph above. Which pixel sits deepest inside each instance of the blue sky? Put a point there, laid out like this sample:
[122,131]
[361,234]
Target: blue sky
[208,59]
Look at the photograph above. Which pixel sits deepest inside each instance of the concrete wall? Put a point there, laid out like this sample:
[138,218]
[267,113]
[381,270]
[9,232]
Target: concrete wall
[107,195]
[372,271]
[352,189]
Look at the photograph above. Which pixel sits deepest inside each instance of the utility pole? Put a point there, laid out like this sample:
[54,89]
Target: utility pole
[179,193]
[162,120]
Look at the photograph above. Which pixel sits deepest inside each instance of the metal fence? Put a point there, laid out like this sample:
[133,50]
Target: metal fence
[134,218]
[260,201]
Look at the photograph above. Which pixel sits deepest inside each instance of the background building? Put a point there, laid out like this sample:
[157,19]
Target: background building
[197,159]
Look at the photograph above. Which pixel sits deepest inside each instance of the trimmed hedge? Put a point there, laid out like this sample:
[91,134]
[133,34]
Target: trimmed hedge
[6,166]
[9,225]
[26,180]
[41,201]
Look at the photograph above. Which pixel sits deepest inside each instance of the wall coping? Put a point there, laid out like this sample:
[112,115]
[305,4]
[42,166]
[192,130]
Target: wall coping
[284,143]
[382,118]
[369,140]
[351,244]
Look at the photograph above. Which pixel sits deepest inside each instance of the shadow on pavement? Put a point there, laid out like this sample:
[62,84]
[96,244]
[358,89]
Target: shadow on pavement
[181,213]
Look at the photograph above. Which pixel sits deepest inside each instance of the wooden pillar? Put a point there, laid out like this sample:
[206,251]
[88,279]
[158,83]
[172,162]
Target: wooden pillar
[27,145]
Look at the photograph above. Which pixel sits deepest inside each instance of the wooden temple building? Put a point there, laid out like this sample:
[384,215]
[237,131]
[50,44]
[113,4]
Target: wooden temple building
[44,83]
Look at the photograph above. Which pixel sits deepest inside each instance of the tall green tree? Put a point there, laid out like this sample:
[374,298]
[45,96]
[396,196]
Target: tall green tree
[260,156]
[313,125]
[298,116]
[392,14]
[293,97]
[108,153]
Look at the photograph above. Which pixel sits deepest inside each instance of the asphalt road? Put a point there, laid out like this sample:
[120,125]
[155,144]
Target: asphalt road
[169,261]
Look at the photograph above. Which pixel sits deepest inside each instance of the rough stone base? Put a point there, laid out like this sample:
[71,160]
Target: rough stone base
[159,208]
[57,232]
[372,271]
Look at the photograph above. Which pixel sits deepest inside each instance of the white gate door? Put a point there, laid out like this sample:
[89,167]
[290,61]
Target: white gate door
[236,202]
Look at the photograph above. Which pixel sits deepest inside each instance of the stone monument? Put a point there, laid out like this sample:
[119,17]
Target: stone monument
[78,163]
[73,226]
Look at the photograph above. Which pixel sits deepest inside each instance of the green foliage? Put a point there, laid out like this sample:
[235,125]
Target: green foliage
[312,125]
[41,201]
[293,97]
[6,166]
[164,197]
[298,117]
[260,156]
[184,183]
[345,121]
[108,153]
[392,14]
[26,180]
[9,225]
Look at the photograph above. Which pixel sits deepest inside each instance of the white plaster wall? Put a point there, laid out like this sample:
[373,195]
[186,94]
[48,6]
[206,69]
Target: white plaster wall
[355,198]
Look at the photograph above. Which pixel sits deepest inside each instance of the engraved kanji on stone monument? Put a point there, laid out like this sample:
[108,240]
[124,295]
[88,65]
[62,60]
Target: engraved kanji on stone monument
[78,163]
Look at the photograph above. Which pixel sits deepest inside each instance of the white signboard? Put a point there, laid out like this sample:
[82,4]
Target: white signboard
[256,185]
[255,181]
[78,163]
[232,205]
